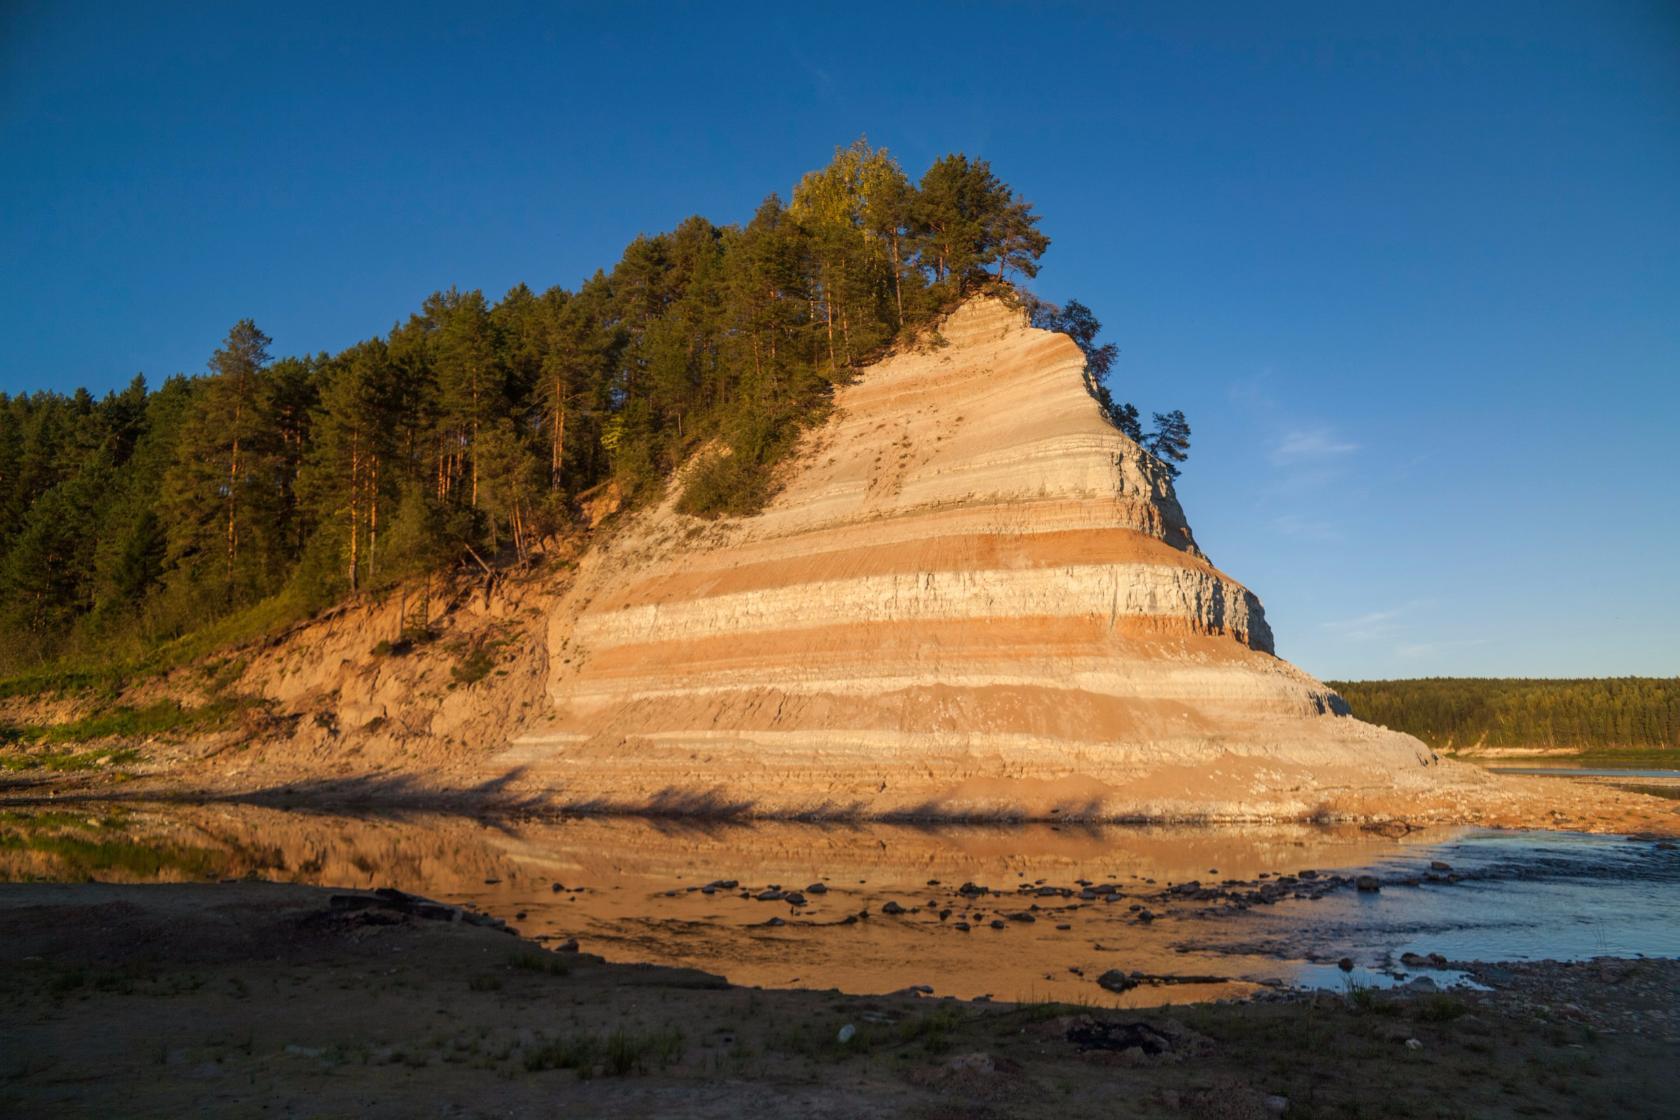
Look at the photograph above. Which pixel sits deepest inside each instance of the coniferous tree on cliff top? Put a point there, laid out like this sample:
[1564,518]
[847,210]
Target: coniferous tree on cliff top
[465,434]
[1169,442]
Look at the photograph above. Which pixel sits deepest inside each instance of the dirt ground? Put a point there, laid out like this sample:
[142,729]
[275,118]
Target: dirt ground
[250,999]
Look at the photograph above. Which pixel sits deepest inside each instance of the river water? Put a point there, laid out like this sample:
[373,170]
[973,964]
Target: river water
[1069,903]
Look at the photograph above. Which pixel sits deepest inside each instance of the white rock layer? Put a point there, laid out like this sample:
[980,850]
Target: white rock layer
[973,596]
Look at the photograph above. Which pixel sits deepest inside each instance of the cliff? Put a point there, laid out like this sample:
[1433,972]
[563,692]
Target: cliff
[972,597]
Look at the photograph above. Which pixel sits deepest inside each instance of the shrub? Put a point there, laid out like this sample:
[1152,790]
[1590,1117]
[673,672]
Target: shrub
[725,486]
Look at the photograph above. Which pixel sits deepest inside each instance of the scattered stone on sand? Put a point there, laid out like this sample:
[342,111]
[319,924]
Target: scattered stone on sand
[1115,980]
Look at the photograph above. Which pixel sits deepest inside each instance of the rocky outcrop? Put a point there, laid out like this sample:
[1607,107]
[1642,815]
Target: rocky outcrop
[973,596]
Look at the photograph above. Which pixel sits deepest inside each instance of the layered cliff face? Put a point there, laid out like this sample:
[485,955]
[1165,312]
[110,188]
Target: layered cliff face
[973,596]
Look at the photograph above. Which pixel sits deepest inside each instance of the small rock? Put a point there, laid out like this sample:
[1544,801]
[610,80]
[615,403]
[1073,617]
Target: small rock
[847,1033]
[972,1063]
[892,907]
[570,945]
[817,888]
[1345,964]
[997,923]
[1439,865]
[1368,883]
[770,896]
[1413,1044]
[1116,981]
[1276,1105]
[964,926]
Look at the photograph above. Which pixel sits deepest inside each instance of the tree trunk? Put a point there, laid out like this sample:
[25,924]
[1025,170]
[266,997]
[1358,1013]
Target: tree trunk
[473,450]
[233,504]
[355,487]
[898,286]
[557,446]
[828,311]
[373,517]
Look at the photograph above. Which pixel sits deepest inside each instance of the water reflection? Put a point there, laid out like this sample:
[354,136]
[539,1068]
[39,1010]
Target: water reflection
[1068,904]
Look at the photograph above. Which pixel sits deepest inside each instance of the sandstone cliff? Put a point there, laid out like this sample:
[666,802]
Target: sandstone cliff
[973,596]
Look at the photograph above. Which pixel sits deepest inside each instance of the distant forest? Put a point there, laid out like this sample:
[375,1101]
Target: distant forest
[1626,713]
[269,488]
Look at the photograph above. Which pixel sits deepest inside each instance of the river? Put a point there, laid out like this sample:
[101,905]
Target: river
[1202,912]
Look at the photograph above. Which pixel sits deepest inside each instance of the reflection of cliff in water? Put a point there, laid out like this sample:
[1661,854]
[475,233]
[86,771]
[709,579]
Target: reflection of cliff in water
[631,889]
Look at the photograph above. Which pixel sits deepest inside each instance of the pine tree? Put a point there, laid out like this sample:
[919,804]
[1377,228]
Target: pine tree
[351,473]
[219,495]
[1170,440]
[888,209]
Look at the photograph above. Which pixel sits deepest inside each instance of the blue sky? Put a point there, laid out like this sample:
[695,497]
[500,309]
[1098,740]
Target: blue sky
[1412,270]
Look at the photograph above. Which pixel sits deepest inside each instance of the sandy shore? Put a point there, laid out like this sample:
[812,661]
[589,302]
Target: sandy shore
[269,776]
[254,999]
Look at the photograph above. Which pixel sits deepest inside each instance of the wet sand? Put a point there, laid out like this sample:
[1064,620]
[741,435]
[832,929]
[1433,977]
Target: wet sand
[261,999]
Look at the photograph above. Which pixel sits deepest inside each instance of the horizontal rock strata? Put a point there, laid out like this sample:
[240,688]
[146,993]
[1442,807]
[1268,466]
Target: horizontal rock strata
[972,597]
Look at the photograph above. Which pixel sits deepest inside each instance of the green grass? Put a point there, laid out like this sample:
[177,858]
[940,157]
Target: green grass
[68,761]
[108,670]
[472,665]
[618,1054]
[60,681]
[166,717]
[549,964]
[475,660]
[1439,1009]
[932,1031]
[84,857]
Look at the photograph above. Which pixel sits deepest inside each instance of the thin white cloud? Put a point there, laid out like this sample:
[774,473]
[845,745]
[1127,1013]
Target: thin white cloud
[1389,623]
[1304,445]
[1305,528]
[1414,650]
[1364,627]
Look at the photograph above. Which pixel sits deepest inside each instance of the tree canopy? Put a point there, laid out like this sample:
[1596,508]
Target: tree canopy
[465,432]
[1626,713]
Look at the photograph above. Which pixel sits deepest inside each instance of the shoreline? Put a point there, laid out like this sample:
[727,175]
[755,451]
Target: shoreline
[233,997]
[1505,801]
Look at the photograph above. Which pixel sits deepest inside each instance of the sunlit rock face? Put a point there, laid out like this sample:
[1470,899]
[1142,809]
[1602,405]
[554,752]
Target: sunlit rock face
[973,596]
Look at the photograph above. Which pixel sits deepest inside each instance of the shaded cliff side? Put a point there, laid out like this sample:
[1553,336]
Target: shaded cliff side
[972,596]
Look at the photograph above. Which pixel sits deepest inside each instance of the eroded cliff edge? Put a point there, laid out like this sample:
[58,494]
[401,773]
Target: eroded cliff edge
[972,597]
